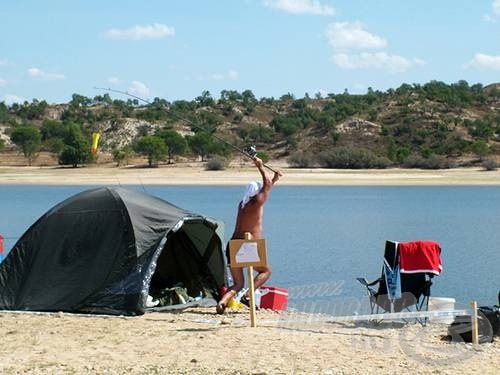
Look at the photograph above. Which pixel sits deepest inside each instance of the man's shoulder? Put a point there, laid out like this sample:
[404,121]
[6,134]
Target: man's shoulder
[253,205]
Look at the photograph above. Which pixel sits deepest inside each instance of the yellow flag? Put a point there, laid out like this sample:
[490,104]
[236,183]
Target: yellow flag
[95,142]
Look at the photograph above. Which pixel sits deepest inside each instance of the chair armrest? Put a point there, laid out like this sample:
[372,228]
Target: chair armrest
[365,282]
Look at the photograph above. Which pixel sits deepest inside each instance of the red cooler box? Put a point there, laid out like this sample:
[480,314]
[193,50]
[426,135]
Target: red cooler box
[273,298]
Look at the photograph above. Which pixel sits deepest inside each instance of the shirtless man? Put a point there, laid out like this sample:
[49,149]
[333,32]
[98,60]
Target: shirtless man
[249,219]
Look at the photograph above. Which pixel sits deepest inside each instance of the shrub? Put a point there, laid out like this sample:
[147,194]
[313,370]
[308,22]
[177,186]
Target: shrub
[489,165]
[262,155]
[237,118]
[301,160]
[122,155]
[216,163]
[352,158]
[432,162]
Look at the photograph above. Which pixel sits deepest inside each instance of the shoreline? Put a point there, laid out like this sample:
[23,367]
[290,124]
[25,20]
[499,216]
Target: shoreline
[195,174]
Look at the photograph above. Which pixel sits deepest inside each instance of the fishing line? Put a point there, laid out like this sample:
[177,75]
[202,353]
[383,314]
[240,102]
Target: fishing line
[249,151]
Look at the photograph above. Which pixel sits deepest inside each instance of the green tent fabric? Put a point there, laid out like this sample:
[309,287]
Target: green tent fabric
[102,250]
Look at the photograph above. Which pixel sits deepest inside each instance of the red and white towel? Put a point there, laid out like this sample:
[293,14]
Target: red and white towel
[420,256]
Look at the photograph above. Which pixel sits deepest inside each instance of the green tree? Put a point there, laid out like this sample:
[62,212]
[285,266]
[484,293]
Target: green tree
[287,125]
[249,101]
[105,99]
[205,99]
[287,97]
[264,156]
[248,98]
[78,110]
[200,144]
[54,145]
[122,155]
[4,112]
[398,153]
[220,148]
[257,134]
[79,101]
[153,147]
[209,121]
[176,143]
[53,129]
[480,148]
[33,110]
[76,147]
[29,139]
[229,96]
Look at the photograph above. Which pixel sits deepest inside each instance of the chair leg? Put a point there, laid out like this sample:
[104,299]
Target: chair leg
[422,305]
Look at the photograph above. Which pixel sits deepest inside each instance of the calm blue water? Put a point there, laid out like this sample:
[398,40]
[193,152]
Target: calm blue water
[331,234]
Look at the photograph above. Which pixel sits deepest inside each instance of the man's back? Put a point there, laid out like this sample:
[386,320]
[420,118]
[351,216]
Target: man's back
[249,219]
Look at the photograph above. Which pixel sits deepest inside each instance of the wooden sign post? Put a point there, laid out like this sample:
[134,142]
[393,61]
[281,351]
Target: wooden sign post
[475,328]
[249,253]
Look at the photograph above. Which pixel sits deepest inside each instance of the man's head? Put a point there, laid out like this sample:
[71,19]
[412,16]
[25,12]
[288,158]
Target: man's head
[251,190]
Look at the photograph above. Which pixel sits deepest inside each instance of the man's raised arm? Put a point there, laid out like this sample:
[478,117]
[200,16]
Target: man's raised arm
[267,182]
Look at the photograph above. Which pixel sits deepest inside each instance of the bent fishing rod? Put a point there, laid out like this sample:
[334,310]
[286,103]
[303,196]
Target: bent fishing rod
[249,151]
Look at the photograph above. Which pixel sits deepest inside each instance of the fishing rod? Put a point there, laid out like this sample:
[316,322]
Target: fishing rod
[249,151]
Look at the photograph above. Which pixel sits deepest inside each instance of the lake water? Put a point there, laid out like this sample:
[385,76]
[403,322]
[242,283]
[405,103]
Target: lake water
[318,235]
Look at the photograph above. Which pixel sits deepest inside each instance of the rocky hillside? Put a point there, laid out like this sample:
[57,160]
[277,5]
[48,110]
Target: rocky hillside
[435,125]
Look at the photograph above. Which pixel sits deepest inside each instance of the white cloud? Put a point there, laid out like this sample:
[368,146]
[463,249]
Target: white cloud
[377,60]
[301,7]
[418,61]
[233,75]
[496,7]
[216,76]
[482,60]
[3,82]
[11,99]
[4,62]
[139,89]
[345,35]
[114,80]
[155,31]
[44,76]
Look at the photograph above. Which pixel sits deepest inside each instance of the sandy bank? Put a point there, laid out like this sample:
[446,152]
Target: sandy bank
[197,341]
[197,175]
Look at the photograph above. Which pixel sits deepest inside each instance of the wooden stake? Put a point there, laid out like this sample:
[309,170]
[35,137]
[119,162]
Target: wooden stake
[251,288]
[253,317]
[475,329]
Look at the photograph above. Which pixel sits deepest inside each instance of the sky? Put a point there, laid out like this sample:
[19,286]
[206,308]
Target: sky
[177,49]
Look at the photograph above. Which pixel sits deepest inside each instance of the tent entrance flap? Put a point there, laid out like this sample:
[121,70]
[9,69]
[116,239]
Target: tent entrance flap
[185,267]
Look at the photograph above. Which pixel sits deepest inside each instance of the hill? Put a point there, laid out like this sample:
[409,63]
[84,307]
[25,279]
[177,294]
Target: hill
[435,125]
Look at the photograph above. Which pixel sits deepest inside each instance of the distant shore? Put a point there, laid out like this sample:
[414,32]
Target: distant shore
[195,174]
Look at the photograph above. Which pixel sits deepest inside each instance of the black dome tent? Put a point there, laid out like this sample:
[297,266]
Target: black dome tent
[102,249]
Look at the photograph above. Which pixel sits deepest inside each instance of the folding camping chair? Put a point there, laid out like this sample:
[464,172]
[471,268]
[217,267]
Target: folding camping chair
[405,283]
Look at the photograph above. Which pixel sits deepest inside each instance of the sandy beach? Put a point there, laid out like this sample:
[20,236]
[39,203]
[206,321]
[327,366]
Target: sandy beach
[195,174]
[197,341]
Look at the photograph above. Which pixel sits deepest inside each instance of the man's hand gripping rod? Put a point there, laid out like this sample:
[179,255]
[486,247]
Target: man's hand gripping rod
[251,152]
